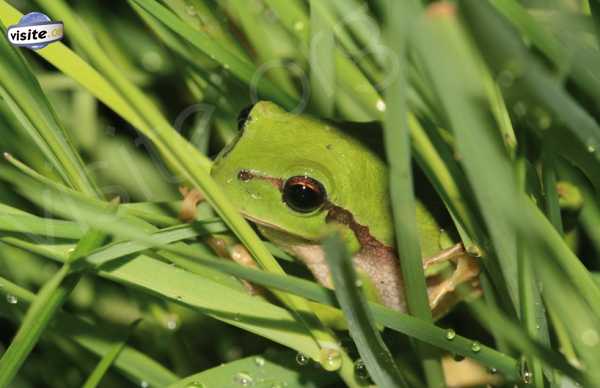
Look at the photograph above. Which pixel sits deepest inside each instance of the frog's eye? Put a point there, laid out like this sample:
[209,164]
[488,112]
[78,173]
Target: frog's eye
[303,194]
[243,116]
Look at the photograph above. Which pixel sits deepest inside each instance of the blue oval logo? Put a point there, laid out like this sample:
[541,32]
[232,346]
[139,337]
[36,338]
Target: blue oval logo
[35,31]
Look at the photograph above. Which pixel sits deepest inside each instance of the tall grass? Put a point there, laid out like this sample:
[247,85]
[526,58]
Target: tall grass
[495,101]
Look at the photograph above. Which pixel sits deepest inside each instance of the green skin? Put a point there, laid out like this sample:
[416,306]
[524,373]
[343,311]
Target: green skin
[275,145]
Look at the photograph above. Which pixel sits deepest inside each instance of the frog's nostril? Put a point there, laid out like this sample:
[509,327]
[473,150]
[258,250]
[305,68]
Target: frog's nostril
[245,175]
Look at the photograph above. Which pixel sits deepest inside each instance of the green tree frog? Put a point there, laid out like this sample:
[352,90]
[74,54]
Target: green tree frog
[295,176]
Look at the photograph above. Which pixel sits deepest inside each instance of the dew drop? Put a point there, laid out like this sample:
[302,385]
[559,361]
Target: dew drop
[190,10]
[475,346]
[360,369]
[259,361]
[591,147]
[380,105]
[298,26]
[542,118]
[493,371]
[458,357]
[144,384]
[331,359]
[243,379]
[526,375]
[11,299]
[152,61]
[474,250]
[195,384]
[520,109]
[590,337]
[302,359]
[506,78]
[358,283]
[172,324]
[450,334]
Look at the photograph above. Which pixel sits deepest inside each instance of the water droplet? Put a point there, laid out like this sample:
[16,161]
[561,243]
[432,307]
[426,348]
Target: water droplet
[506,78]
[474,250]
[520,109]
[144,384]
[591,146]
[450,334]
[543,119]
[302,359]
[179,297]
[259,361]
[190,10]
[360,369]
[493,371]
[243,379]
[331,359]
[225,66]
[475,346]
[11,299]
[298,26]
[458,357]
[172,324]
[358,283]
[195,384]
[152,61]
[590,337]
[526,375]
[380,105]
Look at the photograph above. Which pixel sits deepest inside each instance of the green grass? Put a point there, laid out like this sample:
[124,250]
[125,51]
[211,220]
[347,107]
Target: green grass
[495,101]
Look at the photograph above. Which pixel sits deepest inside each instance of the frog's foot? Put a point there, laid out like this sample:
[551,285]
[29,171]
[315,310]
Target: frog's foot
[226,247]
[191,199]
[466,270]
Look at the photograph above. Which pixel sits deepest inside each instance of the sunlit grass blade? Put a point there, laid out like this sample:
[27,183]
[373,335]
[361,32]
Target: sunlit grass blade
[21,91]
[260,370]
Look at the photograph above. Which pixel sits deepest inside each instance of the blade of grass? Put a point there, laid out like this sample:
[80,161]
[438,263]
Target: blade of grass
[99,341]
[260,371]
[109,358]
[48,301]
[398,150]
[378,359]
[322,62]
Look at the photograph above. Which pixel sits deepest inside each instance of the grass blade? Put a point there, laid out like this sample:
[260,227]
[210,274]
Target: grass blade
[377,357]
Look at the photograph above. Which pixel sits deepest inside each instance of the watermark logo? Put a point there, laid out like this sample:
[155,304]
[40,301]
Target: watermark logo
[35,31]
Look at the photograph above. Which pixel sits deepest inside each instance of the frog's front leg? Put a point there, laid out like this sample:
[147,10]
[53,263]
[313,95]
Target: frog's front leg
[466,270]
[223,245]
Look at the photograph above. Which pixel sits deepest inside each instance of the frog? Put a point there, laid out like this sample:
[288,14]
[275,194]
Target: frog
[296,177]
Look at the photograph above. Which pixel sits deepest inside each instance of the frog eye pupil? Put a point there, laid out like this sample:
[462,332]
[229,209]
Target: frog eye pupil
[303,194]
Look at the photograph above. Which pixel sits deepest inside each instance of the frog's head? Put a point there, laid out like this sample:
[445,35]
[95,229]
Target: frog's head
[285,172]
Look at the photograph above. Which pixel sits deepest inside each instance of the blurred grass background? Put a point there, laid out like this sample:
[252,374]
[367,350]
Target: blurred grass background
[496,101]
